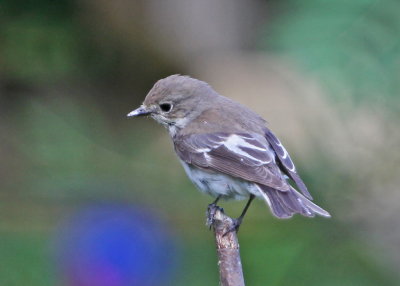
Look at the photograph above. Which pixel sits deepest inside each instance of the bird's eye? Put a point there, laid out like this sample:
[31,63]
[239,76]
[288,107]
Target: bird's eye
[166,107]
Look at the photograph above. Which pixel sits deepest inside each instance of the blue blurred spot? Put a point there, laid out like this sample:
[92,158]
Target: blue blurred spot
[115,246]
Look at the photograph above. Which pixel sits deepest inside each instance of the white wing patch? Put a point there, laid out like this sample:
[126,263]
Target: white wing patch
[285,152]
[237,143]
[235,140]
[285,155]
[202,150]
[207,156]
[240,144]
[281,151]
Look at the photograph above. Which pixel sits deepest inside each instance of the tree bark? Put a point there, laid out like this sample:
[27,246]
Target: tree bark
[229,263]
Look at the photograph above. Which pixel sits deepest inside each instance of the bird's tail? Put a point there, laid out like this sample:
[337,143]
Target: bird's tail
[284,204]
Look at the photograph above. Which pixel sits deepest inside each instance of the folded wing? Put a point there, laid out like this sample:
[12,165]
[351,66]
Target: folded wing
[239,155]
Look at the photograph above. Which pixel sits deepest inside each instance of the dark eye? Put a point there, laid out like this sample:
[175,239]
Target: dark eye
[166,107]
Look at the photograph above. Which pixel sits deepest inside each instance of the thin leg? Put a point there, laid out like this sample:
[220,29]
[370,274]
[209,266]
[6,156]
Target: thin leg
[216,200]
[246,207]
[239,220]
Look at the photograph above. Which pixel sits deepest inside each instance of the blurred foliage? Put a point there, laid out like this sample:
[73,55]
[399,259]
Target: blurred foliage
[38,39]
[353,47]
[25,259]
[34,50]
[44,41]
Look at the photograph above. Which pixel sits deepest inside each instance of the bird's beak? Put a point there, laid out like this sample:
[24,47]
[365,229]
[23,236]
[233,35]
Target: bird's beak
[142,110]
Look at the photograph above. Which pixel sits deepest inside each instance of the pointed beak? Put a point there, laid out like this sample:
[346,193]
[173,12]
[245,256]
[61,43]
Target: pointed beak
[142,110]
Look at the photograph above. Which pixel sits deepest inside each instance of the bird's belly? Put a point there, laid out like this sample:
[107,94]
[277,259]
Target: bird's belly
[218,184]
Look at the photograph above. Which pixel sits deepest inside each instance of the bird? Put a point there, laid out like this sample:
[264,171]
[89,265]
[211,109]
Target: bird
[226,149]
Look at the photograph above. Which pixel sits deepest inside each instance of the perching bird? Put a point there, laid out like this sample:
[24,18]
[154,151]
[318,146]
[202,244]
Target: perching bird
[225,148]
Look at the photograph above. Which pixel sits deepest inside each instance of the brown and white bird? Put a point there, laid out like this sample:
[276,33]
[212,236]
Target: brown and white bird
[225,148]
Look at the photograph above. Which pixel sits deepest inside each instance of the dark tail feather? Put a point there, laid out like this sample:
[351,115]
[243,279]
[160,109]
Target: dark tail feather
[284,204]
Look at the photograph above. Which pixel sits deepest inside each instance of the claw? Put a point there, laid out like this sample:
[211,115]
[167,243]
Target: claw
[211,210]
[235,226]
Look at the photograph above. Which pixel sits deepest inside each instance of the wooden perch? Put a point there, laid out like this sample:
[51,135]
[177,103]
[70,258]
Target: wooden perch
[229,263]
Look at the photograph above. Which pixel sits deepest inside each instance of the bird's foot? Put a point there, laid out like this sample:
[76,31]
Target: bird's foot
[211,211]
[236,222]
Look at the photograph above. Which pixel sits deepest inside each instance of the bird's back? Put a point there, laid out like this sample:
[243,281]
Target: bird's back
[219,117]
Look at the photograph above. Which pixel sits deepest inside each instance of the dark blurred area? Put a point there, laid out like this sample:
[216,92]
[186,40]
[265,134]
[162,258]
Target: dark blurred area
[86,193]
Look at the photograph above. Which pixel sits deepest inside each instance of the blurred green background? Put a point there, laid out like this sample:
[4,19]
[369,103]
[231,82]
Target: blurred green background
[325,74]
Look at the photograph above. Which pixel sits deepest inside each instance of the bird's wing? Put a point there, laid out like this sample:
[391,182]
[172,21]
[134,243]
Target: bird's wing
[240,155]
[286,162]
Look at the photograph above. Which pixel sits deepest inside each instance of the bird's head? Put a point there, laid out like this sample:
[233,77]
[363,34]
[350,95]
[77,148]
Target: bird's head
[175,100]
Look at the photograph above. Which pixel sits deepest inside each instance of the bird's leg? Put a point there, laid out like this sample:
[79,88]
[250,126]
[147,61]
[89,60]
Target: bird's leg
[238,221]
[211,209]
[215,201]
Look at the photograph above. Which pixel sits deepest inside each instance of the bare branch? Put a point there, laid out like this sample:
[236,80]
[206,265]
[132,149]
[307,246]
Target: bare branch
[229,263]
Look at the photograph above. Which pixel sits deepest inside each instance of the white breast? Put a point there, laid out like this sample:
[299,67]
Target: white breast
[216,184]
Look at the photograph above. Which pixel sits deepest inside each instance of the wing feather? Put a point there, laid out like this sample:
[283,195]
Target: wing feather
[286,162]
[239,155]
